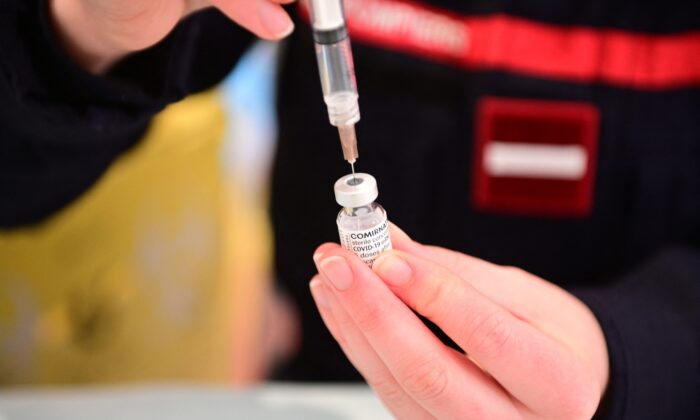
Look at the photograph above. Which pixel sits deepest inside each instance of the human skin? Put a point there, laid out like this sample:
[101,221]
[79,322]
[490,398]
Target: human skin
[533,350]
[97,33]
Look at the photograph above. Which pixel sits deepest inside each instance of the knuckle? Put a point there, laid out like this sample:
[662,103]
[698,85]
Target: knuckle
[490,334]
[370,317]
[434,298]
[464,266]
[580,403]
[575,394]
[345,323]
[515,271]
[340,338]
[454,260]
[389,391]
[520,275]
[428,381]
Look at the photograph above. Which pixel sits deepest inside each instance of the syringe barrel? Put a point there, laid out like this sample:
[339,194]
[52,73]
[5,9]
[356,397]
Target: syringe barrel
[335,65]
[337,73]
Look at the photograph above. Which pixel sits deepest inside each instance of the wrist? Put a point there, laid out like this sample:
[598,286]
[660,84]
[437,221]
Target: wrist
[83,36]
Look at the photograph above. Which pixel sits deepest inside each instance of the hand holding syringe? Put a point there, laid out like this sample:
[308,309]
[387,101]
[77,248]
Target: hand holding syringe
[337,72]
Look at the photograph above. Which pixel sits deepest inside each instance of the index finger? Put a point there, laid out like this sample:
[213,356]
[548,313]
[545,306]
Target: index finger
[441,380]
[537,370]
[526,296]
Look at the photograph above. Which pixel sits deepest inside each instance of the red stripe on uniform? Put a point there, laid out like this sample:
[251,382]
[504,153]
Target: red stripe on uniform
[587,55]
[501,42]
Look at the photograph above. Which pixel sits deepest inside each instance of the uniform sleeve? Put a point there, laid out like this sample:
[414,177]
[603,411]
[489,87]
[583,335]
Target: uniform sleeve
[61,127]
[651,321]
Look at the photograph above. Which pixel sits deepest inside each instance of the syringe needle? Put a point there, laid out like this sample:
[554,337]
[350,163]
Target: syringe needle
[352,165]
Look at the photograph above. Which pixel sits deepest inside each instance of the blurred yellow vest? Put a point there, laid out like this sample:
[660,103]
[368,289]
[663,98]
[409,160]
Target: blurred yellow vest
[155,273]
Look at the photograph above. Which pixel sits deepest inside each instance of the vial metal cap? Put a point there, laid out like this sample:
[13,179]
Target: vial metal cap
[356,191]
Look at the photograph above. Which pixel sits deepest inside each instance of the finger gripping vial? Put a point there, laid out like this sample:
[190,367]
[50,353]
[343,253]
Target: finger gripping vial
[362,223]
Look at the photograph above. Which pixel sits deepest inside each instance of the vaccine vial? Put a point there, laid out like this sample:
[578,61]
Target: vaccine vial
[362,223]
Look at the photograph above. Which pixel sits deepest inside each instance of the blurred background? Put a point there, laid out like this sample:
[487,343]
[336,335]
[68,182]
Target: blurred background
[161,271]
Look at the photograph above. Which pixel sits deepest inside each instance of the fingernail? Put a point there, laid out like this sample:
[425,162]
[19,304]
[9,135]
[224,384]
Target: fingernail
[318,293]
[275,20]
[317,258]
[392,269]
[337,271]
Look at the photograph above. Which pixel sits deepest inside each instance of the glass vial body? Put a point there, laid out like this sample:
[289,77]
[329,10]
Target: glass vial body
[363,227]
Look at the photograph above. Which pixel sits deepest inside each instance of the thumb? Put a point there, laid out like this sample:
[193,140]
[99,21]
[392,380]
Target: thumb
[460,264]
[265,18]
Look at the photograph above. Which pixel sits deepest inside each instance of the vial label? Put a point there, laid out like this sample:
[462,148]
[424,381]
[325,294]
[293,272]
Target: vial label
[368,243]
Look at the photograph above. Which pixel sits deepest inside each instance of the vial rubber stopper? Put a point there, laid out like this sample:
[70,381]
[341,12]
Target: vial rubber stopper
[356,190]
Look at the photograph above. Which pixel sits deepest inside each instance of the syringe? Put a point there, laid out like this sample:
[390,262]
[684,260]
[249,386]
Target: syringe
[337,71]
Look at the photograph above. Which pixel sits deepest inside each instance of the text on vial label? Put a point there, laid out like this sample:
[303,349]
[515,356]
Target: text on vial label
[367,244]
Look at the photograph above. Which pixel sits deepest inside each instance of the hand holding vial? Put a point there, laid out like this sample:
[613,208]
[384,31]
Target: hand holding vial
[532,349]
